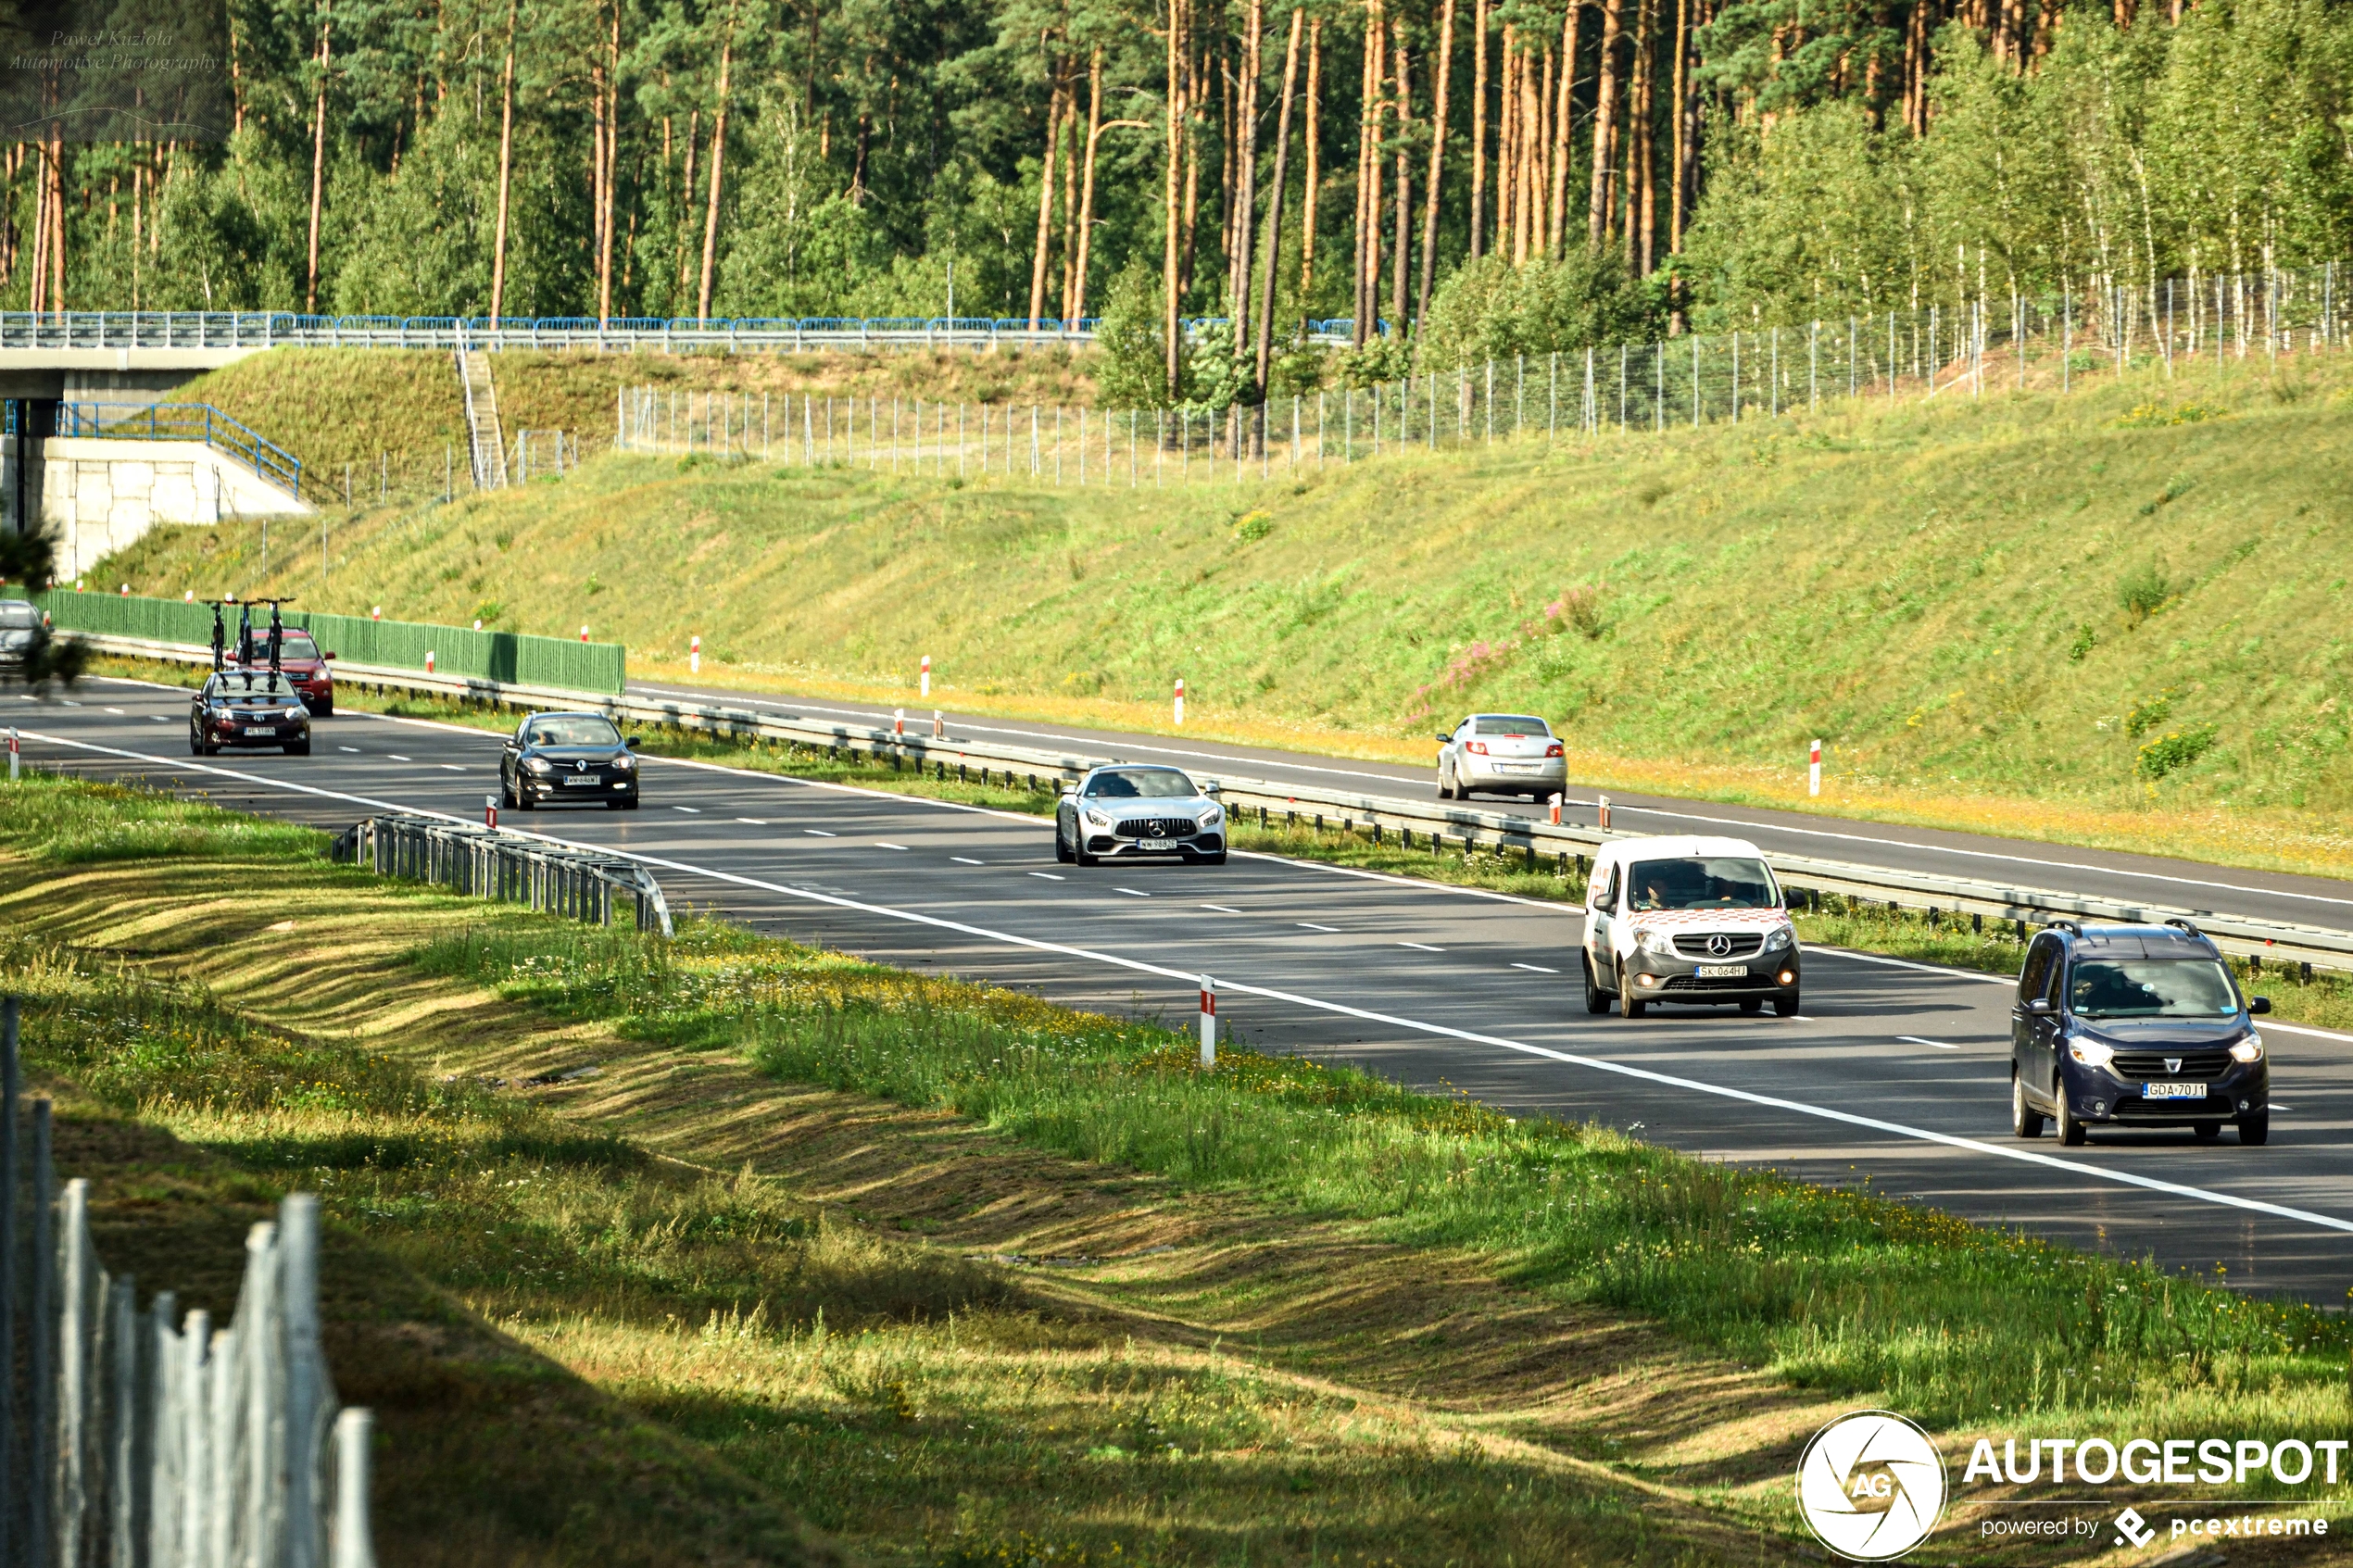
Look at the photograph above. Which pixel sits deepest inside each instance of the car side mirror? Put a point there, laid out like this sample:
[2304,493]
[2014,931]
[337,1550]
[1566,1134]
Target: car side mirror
[631,742]
[2042,1007]
[1211,787]
[2258,1004]
[1070,792]
[1445,739]
[330,654]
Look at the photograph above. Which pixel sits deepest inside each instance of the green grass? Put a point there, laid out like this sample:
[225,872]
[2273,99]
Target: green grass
[2004,614]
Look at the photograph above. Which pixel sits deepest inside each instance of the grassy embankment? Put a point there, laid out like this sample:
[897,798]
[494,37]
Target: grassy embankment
[1283,1310]
[2105,618]
[2323,1001]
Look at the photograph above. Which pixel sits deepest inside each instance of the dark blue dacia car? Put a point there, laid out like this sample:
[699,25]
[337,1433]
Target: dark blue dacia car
[2134,1026]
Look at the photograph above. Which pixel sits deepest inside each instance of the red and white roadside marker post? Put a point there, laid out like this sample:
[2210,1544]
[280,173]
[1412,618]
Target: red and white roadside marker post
[1814,770]
[1208,1023]
[1180,702]
[899,723]
[1556,810]
[938,725]
[188,598]
[490,811]
[926,691]
[694,656]
[377,613]
[1600,812]
[584,633]
[13,750]
[428,661]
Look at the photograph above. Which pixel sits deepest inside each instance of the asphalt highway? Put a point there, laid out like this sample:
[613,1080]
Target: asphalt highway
[1895,1072]
[2150,879]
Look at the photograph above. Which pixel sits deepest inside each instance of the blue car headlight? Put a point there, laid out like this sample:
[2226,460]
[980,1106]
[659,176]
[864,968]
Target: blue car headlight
[2091,1053]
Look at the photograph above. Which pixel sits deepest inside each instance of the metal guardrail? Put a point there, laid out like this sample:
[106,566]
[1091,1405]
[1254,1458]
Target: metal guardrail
[179,421]
[512,868]
[1439,825]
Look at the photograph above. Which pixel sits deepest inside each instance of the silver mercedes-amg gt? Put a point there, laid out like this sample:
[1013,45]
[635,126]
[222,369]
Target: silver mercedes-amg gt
[1139,812]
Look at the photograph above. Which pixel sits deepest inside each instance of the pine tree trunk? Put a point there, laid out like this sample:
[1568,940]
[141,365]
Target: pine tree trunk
[1604,128]
[1558,235]
[38,300]
[1195,91]
[319,155]
[506,173]
[1400,250]
[1170,241]
[1273,241]
[1478,132]
[1642,200]
[1246,173]
[1046,199]
[718,173]
[1070,196]
[1507,150]
[1680,90]
[1313,172]
[1547,161]
[1437,160]
[58,221]
[613,167]
[1527,232]
[1366,157]
[685,210]
[1075,297]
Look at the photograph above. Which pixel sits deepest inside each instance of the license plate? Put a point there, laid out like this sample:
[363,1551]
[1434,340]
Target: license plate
[261,729]
[1155,844]
[580,781]
[1722,971]
[2173,1091]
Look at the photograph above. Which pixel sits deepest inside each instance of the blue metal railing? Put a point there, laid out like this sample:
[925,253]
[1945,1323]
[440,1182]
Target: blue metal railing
[180,421]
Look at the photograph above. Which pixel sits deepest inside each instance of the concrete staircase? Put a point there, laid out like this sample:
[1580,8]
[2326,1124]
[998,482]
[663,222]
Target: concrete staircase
[486,439]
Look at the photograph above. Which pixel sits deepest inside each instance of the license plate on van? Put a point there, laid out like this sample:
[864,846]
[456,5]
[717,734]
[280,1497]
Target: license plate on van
[2173,1091]
[1722,971]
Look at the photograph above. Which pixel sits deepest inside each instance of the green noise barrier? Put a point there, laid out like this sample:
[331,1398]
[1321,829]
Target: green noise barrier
[509,658]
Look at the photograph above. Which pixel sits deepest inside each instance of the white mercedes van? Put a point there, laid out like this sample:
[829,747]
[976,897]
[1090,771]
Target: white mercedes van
[1687,919]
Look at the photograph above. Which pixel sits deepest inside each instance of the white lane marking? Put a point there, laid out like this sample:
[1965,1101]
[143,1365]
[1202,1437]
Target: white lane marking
[879,843]
[118,712]
[1916,1040]
[1423,946]
[159,718]
[1537,967]
[820,832]
[450,767]
[397,758]
[966,860]
[353,749]
[1049,876]
[753,821]
[1131,893]
[1598,1064]
[1222,909]
[77,704]
[1311,925]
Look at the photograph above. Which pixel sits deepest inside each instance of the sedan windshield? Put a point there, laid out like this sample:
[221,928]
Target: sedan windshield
[1141,783]
[583,729]
[1509,724]
[1700,883]
[18,618]
[2152,988]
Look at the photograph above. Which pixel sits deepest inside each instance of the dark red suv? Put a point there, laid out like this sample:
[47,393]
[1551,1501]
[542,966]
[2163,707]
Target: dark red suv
[304,666]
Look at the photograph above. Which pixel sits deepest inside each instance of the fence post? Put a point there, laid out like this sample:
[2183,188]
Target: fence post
[306,1403]
[40,1333]
[353,1546]
[8,1435]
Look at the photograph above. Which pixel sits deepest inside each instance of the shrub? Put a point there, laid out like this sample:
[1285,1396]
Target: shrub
[2146,715]
[2175,749]
[2145,592]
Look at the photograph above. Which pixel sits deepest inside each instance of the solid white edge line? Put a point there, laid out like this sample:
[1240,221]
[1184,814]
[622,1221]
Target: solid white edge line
[1598,1064]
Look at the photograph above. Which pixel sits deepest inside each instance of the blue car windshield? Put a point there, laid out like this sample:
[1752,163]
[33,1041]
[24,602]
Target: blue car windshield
[2151,988]
[1141,783]
[584,729]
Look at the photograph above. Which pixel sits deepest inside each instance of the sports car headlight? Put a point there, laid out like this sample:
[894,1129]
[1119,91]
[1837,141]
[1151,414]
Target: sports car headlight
[537,764]
[2091,1053]
[1778,938]
[2248,1049]
[1097,820]
[1655,941]
[1212,817]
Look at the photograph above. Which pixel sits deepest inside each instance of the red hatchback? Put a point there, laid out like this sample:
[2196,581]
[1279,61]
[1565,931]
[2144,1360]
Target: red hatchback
[304,666]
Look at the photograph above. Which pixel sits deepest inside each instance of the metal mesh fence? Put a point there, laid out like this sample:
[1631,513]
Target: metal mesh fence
[143,1438]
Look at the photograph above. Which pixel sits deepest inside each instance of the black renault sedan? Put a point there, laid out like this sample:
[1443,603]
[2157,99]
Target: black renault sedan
[2134,1026]
[248,708]
[568,757]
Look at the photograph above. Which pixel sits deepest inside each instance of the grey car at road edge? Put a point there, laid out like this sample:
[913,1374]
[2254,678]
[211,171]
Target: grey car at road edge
[1137,814]
[568,757]
[1501,754]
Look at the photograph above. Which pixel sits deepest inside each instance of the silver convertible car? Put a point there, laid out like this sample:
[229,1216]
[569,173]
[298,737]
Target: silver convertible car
[1131,812]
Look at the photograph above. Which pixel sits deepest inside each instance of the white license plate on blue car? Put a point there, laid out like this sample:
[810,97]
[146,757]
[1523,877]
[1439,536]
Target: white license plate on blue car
[2173,1091]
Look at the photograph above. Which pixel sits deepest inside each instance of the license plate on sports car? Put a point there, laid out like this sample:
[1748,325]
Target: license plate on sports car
[1722,971]
[1155,844]
[580,780]
[261,729]
[2173,1091]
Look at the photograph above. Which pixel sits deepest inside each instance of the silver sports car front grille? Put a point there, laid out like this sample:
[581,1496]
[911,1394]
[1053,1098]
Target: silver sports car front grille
[1156,827]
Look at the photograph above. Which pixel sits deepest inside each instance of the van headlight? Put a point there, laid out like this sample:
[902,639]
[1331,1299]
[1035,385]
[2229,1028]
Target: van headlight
[2248,1049]
[1652,940]
[2091,1053]
[1778,938]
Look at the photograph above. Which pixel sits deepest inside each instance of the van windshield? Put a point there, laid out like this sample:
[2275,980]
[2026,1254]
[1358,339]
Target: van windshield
[2151,988]
[1700,883]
